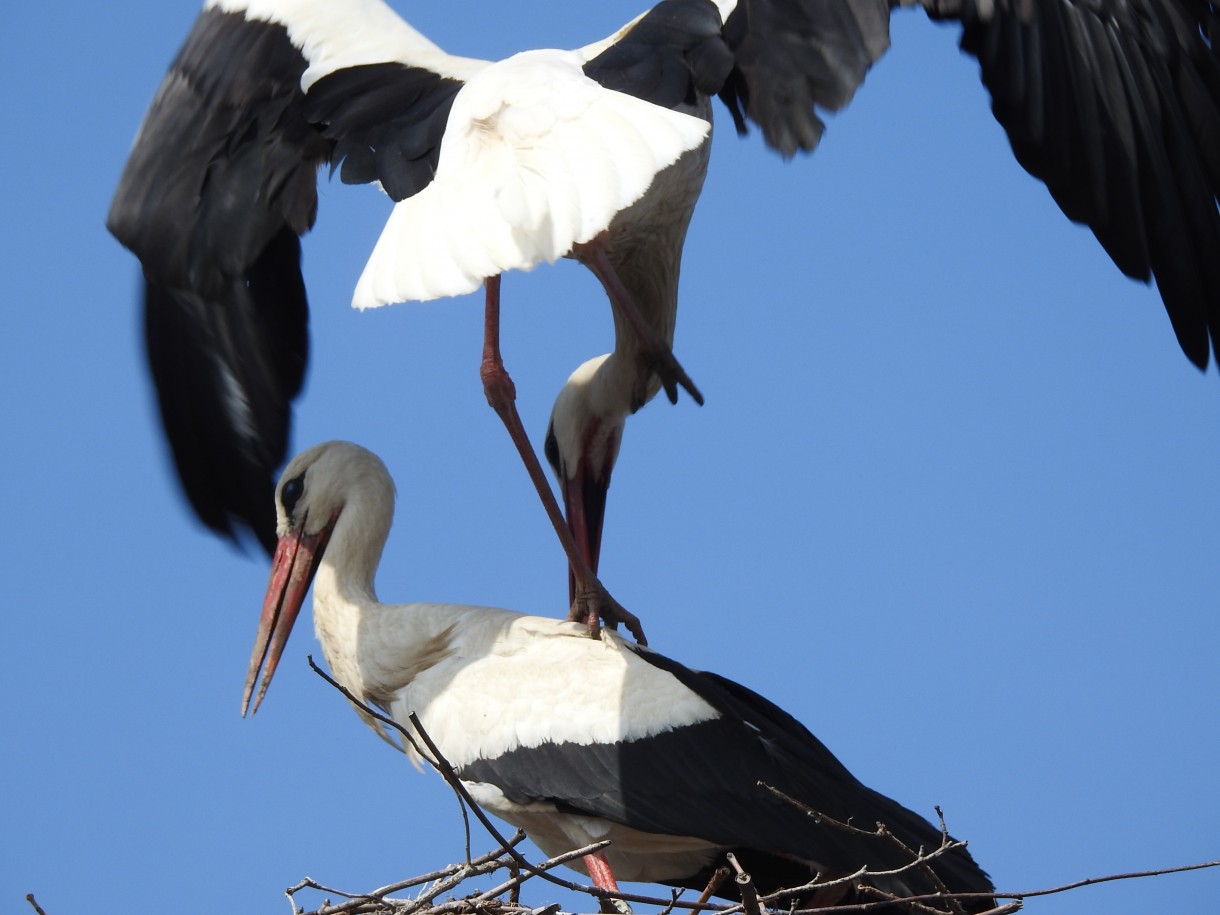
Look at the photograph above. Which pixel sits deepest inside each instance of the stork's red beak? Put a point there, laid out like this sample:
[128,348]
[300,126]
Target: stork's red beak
[584,505]
[292,570]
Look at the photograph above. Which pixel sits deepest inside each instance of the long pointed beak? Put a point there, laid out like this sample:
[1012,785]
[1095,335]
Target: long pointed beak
[584,504]
[292,570]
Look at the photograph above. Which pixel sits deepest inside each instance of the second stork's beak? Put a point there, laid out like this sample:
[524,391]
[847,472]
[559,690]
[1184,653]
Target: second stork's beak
[292,570]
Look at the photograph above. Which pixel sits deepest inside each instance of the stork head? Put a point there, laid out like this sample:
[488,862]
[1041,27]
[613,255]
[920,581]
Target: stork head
[317,488]
[582,443]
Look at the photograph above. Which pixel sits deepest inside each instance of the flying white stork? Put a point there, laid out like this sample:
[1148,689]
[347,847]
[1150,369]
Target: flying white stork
[661,760]
[597,154]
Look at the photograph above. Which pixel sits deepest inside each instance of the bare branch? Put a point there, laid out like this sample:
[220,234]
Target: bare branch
[29,897]
[378,902]
[745,887]
[919,859]
[1134,875]
[517,879]
[1019,897]
[719,875]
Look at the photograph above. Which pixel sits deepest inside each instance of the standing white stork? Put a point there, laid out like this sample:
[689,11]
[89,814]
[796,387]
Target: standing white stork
[661,760]
[1115,106]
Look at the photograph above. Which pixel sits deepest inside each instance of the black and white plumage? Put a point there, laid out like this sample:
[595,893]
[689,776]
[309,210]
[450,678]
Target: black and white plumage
[1114,105]
[662,760]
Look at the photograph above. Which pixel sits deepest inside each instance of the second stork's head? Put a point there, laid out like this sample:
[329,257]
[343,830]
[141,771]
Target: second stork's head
[582,444]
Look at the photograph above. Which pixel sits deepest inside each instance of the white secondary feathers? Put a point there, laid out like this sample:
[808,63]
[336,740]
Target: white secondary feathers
[536,158]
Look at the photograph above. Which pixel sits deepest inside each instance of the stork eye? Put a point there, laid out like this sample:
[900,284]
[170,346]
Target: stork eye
[291,492]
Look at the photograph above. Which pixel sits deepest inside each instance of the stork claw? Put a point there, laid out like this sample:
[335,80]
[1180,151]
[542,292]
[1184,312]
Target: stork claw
[655,353]
[593,604]
[661,361]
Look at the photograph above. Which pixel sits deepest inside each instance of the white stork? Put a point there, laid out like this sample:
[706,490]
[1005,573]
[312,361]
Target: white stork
[597,154]
[661,760]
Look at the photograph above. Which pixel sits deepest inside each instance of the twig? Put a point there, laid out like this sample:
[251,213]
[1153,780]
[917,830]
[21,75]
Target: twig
[514,892]
[479,905]
[674,896]
[919,859]
[517,879]
[308,883]
[442,886]
[1019,897]
[910,902]
[745,886]
[1133,875]
[451,876]
[29,897]
[886,903]
[719,875]
[929,870]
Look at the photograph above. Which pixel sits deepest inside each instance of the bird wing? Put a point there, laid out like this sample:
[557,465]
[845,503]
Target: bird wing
[1116,107]
[220,183]
[794,57]
[537,157]
[667,56]
[1113,104]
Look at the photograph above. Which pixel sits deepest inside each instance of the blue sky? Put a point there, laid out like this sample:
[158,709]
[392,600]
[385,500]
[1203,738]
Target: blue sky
[952,500]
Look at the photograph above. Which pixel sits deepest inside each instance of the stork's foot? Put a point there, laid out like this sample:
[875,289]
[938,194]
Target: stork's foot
[655,353]
[660,360]
[593,604]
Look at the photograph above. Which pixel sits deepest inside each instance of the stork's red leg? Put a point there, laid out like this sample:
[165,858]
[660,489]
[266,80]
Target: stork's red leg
[655,353]
[603,878]
[591,602]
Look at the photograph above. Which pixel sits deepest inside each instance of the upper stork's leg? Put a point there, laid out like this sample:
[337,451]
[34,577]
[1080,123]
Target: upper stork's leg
[591,601]
[654,352]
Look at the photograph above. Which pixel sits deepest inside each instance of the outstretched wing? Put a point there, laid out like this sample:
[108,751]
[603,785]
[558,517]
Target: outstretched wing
[1113,104]
[220,184]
